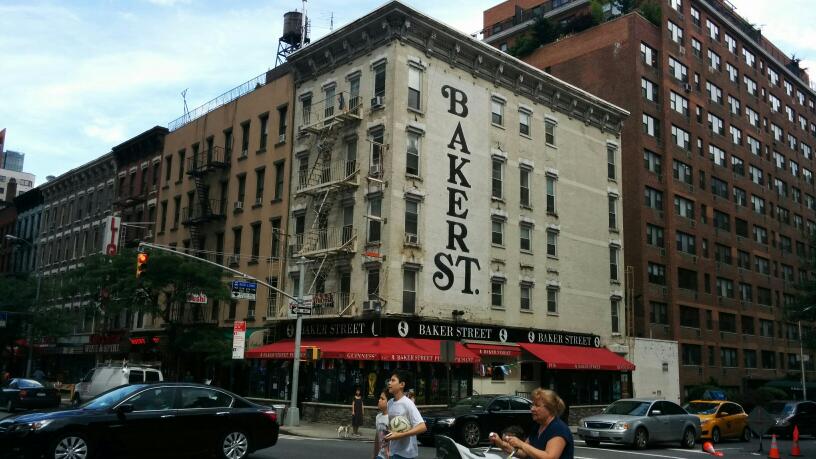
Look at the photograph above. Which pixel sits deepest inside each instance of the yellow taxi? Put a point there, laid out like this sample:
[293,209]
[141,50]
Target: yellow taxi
[720,419]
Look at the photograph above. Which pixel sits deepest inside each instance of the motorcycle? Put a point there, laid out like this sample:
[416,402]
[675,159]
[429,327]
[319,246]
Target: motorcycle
[446,448]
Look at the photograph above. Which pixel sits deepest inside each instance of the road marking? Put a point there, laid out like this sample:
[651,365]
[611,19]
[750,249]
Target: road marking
[630,452]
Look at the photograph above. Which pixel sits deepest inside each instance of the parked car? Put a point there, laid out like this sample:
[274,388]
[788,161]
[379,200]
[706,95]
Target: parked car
[106,377]
[639,422]
[720,419]
[470,420]
[27,393]
[792,413]
[146,420]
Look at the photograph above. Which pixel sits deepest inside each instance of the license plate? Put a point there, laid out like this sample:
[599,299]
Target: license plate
[594,433]
[41,394]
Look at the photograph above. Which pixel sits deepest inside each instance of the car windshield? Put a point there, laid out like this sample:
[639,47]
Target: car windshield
[473,402]
[628,407]
[112,397]
[701,407]
[781,408]
[28,384]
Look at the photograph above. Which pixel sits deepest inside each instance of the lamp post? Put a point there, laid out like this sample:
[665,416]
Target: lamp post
[29,331]
[802,353]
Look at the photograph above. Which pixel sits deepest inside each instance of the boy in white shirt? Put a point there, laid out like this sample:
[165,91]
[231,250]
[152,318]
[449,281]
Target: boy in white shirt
[403,445]
[380,444]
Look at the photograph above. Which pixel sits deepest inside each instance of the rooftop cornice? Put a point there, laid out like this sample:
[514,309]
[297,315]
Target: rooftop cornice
[99,166]
[396,21]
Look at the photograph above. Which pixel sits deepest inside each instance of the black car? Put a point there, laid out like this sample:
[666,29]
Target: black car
[145,420]
[470,420]
[27,393]
[792,413]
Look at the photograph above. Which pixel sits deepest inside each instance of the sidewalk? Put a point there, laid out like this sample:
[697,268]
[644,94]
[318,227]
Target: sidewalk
[318,430]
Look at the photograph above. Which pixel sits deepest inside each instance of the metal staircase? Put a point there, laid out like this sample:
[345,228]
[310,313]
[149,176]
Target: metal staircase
[205,210]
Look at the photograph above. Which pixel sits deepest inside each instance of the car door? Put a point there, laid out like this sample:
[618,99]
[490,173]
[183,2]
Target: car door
[204,414]
[150,428]
[805,418]
[677,418]
[659,422]
[521,415]
[730,414]
[9,392]
[495,417]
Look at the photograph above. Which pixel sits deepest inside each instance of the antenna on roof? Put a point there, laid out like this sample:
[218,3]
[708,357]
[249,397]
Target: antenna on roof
[331,22]
[184,98]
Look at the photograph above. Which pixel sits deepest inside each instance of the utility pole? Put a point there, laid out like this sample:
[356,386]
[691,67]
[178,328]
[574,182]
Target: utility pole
[802,354]
[29,332]
[293,414]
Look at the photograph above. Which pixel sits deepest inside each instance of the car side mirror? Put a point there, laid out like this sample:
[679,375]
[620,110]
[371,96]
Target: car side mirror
[124,408]
[655,413]
[723,414]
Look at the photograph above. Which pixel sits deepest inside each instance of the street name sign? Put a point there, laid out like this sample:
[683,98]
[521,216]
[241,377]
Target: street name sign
[242,290]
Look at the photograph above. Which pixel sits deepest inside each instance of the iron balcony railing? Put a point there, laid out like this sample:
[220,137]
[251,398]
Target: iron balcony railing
[340,172]
[332,304]
[211,158]
[203,211]
[219,101]
[316,241]
[339,107]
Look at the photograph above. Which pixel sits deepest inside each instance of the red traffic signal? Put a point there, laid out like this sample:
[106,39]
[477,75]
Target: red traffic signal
[141,260]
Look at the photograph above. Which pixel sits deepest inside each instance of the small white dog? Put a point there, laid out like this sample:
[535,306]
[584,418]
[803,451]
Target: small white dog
[344,431]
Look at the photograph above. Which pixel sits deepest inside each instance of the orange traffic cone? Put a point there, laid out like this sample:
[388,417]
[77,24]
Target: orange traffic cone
[795,451]
[774,452]
[709,448]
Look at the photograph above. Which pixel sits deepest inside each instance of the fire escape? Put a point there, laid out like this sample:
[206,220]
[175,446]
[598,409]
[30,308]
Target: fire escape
[204,210]
[322,185]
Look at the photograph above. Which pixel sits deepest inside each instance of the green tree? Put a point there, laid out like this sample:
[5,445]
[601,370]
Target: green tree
[524,45]
[545,30]
[652,11]
[18,299]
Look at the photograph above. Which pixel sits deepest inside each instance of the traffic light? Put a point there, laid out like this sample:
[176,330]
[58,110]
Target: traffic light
[312,353]
[141,261]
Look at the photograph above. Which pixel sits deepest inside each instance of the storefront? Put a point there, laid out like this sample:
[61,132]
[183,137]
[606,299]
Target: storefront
[488,359]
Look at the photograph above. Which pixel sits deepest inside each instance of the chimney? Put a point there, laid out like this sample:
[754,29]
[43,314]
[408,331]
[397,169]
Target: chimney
[11,190]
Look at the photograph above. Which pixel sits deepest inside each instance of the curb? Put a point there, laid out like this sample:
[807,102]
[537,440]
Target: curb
[296,433]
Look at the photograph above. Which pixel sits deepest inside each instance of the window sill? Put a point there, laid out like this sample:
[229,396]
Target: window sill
[256,206]
[551,145]
[276,200]
[497,246]
[552,214]
[495,199]
[413,245]
[237,211]
[250,318]
[614,230]
[410,176]
[526,136]
[378,107]
[160,233]
[552,257]
[553,314]
[279,144]
[526,252]
[261,151]
[242,158]
[526,311]
[498,126]
[252,262]
[178,182]
[611,180]
[614,282]
[497,308]
[416,111]
[166,186]
[526,207]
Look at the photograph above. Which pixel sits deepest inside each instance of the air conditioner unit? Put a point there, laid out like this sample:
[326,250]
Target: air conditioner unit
[682,51]
[282,138]
[258,201]
[371,305]
[238,205]
[411,238]
[244,153]
[686,87]
[375,170]
[233,259]
[376,101]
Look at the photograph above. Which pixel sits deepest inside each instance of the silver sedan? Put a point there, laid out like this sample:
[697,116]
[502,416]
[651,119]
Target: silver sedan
[639,422]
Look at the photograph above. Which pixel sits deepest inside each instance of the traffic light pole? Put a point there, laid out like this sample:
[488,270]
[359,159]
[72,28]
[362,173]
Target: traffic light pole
[293,413]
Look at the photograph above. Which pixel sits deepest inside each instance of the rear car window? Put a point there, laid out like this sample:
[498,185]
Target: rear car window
[157,398]
[199,397]
[28,384]
[135,376]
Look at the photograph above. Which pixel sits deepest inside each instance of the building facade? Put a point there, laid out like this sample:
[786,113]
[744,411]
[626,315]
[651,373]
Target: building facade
[13,161]
[8,222]
[441,191]
[23,182]
[719,168]
[138,171]
[29,216]
[224,193]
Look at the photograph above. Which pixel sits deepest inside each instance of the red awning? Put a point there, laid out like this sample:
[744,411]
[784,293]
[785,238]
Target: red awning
[578,358]
[494,350]
[387,349]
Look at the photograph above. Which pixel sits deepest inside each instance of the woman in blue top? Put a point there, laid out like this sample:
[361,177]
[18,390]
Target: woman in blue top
[551,438]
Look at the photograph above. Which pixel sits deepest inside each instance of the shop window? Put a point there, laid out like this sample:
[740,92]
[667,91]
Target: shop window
[527,372]
[498,372]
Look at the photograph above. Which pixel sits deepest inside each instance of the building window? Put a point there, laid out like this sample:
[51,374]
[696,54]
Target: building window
[497,293]
[497,231]
[524,122]
[168,166]
[649,90]
[259,186]
[659,313]
[615,315]
[691,354]
[241,189]
[657,273]
[244,138]
[409,279]
[549,131]
[373,284]
[651,126]
[526,237]
[552,243]
[264,119]
[648,55]
[654,236]
[653,198]
[524,187]
[412,221]
[412,154]
[550,194]
[163,217]
[497,178]
[276,239]
[282,124]
[611,154]
[374,218]
[379,80]
[526,297]
[279,178]
[414,87]
[614,262]
[180,176]
[236,247]
[256,241]
[552,300]
[176,211]
[653,162]
[497,111]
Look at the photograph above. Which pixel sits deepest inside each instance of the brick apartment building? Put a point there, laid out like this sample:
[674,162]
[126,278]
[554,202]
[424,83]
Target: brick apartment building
[718,176]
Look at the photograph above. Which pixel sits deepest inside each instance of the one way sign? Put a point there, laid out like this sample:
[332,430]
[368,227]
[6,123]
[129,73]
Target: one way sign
[304,309]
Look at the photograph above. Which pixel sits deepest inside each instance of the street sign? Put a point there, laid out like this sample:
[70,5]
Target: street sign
[242,290]
[238,339]
[447,351]
[198,298]
[3,319]
[304,309]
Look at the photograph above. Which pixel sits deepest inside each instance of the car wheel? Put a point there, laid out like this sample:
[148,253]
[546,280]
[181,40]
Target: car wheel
[715,435]
[592,443]
[641,438]
[746,434]
[470,434]
[234,445]
[688,438]
[70,446]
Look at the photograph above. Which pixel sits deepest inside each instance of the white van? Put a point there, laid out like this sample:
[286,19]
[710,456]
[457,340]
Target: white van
[109,376]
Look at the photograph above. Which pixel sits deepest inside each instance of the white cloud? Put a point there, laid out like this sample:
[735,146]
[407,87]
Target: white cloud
[106,131]
[169,2]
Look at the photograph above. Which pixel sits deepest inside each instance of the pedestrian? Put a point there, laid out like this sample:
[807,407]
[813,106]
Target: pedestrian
[39,375]
[550,439]
[381,423]
[5,377]
[412,395]
[357,411]
[403,445]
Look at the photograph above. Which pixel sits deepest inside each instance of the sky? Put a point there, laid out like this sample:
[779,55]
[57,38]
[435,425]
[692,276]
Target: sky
[80,76]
